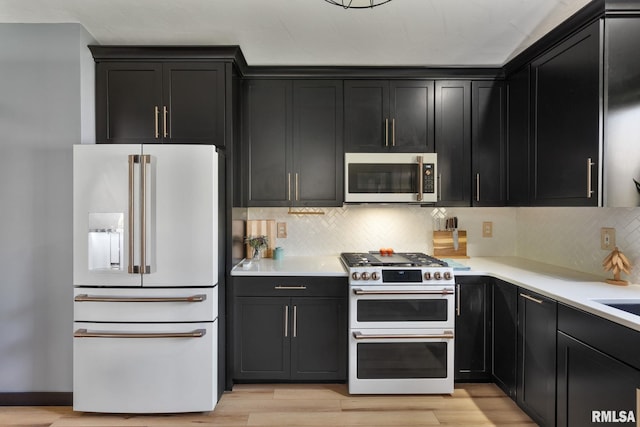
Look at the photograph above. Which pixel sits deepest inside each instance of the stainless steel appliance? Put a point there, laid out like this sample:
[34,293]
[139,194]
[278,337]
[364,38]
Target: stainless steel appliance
[145,278]
[401,323]
[391,177]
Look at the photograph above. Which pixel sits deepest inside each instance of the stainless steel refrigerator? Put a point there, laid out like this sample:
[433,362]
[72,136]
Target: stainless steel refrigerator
[145,278]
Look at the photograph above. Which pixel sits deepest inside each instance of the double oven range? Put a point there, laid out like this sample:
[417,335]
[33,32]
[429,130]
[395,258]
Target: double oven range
[401,323]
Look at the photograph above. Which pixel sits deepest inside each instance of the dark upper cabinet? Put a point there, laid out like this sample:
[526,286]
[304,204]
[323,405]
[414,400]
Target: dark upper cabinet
[488,142]
[389,116]
[453,141]
[504,323]
[292,142]
[518,133]
[536,377]
[160,102]
[473,329]
[566,117]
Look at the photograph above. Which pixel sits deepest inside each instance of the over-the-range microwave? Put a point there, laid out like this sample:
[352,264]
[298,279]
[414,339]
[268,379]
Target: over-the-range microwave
[391,177]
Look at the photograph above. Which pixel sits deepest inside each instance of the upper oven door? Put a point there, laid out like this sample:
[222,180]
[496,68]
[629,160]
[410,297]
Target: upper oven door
[402,307]
[391,177]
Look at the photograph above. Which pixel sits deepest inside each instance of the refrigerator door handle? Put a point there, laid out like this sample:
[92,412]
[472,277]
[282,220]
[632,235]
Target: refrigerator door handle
[144,268]
[83,333]
[133,159]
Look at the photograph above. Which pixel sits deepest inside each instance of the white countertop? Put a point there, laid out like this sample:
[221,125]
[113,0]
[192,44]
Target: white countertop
[562,284]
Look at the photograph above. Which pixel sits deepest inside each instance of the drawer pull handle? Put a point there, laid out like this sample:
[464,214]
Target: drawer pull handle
[83,333]
[97,298]
[288,288]
[530,298]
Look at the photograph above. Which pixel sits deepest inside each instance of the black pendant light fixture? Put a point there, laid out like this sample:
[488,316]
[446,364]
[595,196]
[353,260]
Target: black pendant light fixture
[357,4]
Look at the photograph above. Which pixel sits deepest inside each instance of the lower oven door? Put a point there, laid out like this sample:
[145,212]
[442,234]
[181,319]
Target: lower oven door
[401,361]
[402,307]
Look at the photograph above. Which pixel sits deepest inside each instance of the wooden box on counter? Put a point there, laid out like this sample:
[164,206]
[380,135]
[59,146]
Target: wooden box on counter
[443,246]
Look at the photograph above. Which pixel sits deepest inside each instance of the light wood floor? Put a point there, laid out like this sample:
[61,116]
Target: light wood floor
[325,405]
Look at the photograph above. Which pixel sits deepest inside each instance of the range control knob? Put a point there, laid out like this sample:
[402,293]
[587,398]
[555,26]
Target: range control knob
[365,276]
[437,275]
[447,275]
[427,276]
[355,276]
[375,276]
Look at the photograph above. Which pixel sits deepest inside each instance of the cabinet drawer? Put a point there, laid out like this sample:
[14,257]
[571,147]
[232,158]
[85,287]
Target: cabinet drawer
[145,305]
[290,286]
[155,374]
[609,337]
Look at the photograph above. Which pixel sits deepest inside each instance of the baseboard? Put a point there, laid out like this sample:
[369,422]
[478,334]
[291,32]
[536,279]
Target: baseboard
[37,398]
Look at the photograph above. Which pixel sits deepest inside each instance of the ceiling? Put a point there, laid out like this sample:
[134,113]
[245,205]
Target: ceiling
[463,33]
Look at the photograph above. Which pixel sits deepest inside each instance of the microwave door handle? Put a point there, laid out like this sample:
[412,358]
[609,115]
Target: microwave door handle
[420,182]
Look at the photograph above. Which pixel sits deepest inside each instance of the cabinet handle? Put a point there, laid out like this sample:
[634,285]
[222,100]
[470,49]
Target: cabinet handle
[157,111]
[289,186]
[590,164]
[458,300]
[393,132]
[530,298]
[386,132]
[420,180]
[295,321]
[164,120]
[439,187]
[286,321]
[289,288]
[477,187]
[297,186]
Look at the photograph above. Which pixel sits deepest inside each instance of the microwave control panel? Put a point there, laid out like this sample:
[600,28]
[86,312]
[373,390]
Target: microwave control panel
[429,178]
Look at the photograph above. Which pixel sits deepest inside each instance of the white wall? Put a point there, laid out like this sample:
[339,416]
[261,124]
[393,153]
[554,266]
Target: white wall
[46,106]
[566,237]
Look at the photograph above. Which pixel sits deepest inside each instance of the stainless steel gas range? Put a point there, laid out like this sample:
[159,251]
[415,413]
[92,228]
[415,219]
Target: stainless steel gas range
[401,323]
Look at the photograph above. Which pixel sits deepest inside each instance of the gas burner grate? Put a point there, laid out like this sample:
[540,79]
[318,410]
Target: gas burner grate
[375,259]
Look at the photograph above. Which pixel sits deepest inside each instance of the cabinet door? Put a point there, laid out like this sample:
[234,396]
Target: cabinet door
[519,110]
[488,143]
[412,117]
[317,143]
[453,141]
[266,142]
[536,380]
[473,331]
[194,97]
[262,338]
[504,322]
[566,135]
[366,118]
[589,380]
[319,339]
[128,102]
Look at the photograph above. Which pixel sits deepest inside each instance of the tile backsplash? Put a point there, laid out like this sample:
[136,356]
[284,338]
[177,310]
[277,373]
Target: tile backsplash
[567,237]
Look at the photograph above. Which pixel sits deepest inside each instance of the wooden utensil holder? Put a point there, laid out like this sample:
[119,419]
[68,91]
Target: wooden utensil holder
[443,244]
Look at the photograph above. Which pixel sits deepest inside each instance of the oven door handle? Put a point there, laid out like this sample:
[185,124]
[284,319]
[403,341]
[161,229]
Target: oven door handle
[359,291]
[360,336]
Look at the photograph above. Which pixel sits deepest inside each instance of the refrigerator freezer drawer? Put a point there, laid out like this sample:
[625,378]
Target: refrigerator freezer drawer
[145,305]
[149,368]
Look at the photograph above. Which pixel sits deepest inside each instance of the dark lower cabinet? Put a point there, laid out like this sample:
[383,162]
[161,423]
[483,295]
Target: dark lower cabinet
[598,370]
[536,377]
[473,329]
[504,345]
[290,329]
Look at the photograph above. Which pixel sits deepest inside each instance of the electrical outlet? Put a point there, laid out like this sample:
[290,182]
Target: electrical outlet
[281,232]
[607,238]
[487,229]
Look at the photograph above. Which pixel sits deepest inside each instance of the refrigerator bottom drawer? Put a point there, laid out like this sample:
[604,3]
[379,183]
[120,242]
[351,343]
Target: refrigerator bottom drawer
[145,368]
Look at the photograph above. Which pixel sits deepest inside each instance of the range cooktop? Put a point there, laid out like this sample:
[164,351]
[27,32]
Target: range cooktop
[395,259]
